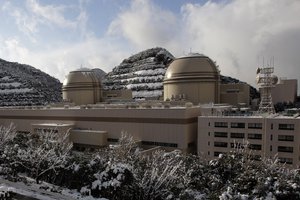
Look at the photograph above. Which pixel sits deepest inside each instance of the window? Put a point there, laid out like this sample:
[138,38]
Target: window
[208,133]
[220,144]
[237,145]
[286,160]
[164,144]
[208,123]
[286,138]
[112,140]
[221,124]
[270,147]
[271,137]
[286,127]
[237,125]
[217,153]
[255,125]
[221,134]
[208,143]
[255,146]
[255,157]
[237,135]
[285,149]
[272,126]
[254,136]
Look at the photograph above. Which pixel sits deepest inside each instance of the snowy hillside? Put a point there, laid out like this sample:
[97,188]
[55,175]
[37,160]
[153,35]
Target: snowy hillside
[143,73]
[22,85]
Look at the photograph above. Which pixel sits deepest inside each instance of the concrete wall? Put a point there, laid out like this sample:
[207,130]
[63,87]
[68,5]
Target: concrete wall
[170,126]
[235,94]
[285,91]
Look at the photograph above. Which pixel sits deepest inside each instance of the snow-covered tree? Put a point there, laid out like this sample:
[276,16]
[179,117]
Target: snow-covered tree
[46,152]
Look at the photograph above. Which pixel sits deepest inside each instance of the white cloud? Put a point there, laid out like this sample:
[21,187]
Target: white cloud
[50,14]
[234,33]
[237,33]
[59,61]
[145,25]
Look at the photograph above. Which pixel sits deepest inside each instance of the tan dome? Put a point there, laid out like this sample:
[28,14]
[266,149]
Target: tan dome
[191,66]
[82,87]
[194,77]
[80,76]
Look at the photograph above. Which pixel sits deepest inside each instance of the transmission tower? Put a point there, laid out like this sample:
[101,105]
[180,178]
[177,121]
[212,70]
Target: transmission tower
[266,82]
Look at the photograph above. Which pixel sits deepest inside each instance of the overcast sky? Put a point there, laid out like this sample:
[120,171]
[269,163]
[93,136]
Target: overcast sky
[57,36]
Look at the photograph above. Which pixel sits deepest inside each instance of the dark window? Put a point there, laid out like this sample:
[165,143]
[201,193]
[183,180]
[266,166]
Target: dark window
[286,160]
[271,137]
[208,133]
[237,145]
[271,126]
[208,143]
[285,138]
[220,144]
[255,157]
[217,153]
[254,136]
[237,125]
[164,144]
[270,147]
[285,149]
[255,125]
[237,135]
[286,127]
[255,146]
[208,153]
[208,123]
[221,124]
[112,140]
[221,134]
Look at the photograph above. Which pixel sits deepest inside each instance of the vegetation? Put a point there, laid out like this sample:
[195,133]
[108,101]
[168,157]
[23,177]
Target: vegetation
[125,172]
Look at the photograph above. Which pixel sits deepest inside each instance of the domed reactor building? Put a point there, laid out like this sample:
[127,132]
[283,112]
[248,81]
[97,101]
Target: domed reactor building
[195,78]
[82,87]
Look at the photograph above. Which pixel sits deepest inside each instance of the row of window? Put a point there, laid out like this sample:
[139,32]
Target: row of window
[253,136]
[237,145]
[258,157]
[252,125]
[164,144]
[238,125]
[252,146]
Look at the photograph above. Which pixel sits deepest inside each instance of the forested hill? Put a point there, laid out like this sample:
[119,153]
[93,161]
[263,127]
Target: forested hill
[22,85]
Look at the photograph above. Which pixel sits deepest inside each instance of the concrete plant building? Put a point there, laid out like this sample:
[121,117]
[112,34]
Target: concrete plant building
[190,118]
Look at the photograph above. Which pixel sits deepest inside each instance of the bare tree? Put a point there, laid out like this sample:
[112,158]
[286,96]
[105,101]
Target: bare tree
[7,134]
[46,152]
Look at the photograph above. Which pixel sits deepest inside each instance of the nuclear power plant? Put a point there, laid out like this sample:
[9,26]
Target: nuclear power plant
[197,114]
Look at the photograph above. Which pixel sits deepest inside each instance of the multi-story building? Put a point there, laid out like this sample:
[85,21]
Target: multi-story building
[265,136]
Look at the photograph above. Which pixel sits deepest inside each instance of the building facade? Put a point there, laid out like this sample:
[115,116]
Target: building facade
[264,136]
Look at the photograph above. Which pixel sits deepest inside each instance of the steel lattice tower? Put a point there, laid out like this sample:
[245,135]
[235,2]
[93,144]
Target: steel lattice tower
[266,82]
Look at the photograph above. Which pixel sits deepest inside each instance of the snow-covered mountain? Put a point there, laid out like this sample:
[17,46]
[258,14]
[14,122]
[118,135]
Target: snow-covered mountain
[143,73]
[22,85]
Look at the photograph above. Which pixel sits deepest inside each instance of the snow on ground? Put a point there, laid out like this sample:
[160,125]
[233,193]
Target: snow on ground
[33,190]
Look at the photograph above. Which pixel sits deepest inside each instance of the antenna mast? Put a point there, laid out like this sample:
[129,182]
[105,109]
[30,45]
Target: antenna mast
[266,82]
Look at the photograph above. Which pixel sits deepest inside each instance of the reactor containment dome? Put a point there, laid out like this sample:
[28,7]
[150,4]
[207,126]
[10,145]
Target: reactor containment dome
[82,87]
[195,78]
